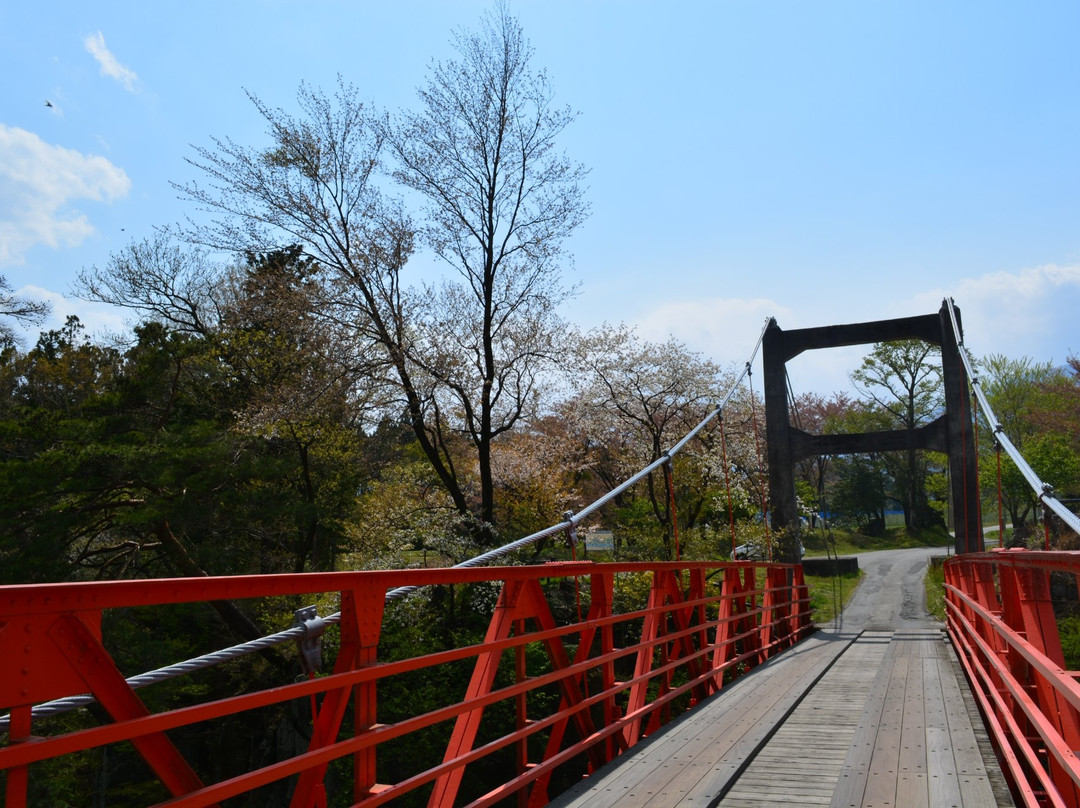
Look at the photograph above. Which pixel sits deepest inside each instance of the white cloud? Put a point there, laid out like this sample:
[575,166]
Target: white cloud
[724,329]
[1032,312]
[110,65]
[38,181]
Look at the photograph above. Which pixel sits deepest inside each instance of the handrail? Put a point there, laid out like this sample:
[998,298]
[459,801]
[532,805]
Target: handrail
[1001,619]
[609,678]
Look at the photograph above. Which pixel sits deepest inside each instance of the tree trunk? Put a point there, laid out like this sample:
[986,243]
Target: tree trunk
[237,622]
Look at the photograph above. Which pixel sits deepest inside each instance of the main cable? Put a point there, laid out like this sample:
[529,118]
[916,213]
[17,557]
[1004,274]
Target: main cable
[1043,491]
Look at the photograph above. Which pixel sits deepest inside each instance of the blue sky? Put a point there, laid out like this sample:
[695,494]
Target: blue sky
[820,162]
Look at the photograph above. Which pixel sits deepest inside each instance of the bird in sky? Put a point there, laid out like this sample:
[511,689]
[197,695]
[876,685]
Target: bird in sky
[48,103]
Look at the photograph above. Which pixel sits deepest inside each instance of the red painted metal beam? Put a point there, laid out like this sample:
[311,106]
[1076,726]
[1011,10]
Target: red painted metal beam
[96,667]
[1002,620]
[691,629]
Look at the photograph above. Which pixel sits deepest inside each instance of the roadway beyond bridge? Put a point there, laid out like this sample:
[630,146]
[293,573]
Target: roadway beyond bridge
[873,711]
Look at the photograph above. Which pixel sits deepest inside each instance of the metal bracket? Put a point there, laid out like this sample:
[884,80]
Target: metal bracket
[310,645]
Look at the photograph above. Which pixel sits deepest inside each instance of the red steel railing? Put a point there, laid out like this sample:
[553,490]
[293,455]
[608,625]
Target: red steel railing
[613,677]
[1001,618]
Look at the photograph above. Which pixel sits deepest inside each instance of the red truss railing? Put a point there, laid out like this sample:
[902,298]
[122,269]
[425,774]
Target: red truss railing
[1002,621]
[615,677]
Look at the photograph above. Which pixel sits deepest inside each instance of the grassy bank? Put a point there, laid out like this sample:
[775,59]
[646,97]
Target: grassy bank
[844,542]
[829,593]
[935,591]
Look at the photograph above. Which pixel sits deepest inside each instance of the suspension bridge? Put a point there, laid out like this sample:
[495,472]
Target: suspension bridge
[659,684]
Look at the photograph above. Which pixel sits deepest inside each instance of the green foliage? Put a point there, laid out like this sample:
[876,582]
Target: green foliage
[637,533]
[858,496]
[186,453]
[1069,634]
[904,379]
[1036,404]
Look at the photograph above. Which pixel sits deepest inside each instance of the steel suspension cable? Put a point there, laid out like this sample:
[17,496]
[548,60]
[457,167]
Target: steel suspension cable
[727,486]
[1043,491]
[761,465]
[1001,511]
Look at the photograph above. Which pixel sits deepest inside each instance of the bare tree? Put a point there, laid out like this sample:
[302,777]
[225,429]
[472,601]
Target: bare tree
[315,186]
[466,358]
[162,280]
[18,308]
[500,202]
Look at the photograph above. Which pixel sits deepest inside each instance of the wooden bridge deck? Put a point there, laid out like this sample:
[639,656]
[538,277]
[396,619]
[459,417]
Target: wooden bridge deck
[868,719]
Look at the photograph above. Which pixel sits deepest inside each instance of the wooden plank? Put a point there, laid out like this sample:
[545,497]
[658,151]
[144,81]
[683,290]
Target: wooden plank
[703,778]
[885,725]
[735,709]
[975,787]
[940,765]
[817,734]
[998,784]
[913,790]
[885,760]
[727,726]
[912,787]
[852,782]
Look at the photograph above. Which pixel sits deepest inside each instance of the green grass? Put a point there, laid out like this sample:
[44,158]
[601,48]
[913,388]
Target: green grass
[826,592]
[895,538]
[935,591]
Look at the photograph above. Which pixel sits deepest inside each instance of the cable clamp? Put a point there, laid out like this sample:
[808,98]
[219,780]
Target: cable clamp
[310,645]
[571,531]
